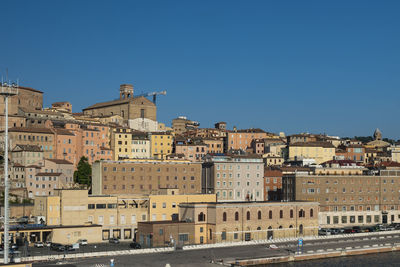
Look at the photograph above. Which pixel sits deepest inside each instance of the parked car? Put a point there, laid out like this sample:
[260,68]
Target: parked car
[56,246]
[348,231]
[135,245]
[69,248]
[47,244]
[324,232]
[14,246]
[113,240]
[356,229]
[82,242]
[334,231]
[39,244]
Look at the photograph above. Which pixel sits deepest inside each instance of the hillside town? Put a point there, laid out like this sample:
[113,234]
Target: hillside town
[113,172]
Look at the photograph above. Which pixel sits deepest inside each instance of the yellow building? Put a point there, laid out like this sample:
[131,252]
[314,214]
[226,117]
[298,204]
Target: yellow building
[320,151]
[161,144]
[162,207]
[48,207]
[130,144]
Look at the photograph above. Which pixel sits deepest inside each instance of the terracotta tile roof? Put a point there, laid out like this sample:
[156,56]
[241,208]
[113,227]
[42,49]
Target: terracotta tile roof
[62,131]
[60,161]
[313,144]
[29,89]
[30,148]
[48,174]
[30,130]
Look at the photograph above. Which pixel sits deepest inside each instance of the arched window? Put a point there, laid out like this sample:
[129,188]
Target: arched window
[259,214]
[291,213]
[301,229]
[301,213]
[270,214]
[202,217]
[224,216]
[258,228]
[236,216]
[281,214]
[291,226]
[311,213]
[280,227]
[248,215]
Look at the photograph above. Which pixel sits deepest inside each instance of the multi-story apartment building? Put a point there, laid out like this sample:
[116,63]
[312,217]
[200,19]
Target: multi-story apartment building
[214,145]
[161,144]
[320,151]
[26,98]
[48,175]
[145,176]
[65,145]
[257,146]
[232,222]
[234,177]
[42,137]
[272,184]
[130,144]
[348,196]
[27,154]
[351,152]
[241,139]
[182,124]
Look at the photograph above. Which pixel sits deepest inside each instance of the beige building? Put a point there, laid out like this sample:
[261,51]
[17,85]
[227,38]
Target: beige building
[145,176]
[320,151]
[234,177]
[165,205]
[219,222]
[348,198]
[181,124]
[27,154]
[161,144]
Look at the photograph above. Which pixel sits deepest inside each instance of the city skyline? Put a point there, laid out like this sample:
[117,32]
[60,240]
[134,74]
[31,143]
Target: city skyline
[279,67]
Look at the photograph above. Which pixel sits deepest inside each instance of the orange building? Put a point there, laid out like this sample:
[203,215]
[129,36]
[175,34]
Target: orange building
[272,184]
[241,139]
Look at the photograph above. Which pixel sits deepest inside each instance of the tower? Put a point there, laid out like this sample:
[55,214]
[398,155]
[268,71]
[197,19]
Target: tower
[125,91]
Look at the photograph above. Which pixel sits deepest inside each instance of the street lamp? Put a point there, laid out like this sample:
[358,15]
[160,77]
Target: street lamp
[6,90]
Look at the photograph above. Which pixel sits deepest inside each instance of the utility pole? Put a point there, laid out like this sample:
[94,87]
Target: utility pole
[6,90]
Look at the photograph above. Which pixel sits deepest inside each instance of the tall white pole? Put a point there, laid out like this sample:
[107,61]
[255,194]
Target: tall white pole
[6,208]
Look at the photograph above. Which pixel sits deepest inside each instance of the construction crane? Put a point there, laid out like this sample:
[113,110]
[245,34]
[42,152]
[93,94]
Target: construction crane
[154,94]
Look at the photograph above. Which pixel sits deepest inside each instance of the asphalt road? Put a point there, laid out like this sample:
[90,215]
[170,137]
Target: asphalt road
[204,257]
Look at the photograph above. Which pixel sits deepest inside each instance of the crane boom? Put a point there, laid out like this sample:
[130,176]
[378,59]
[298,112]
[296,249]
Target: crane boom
[154,94]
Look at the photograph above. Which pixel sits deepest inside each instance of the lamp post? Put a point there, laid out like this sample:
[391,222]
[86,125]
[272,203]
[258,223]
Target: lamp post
[6,90]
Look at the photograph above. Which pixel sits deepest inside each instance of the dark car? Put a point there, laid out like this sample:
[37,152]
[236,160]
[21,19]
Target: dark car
[348,231]
[113,240]
[56,246]
[356,229]
[135,245]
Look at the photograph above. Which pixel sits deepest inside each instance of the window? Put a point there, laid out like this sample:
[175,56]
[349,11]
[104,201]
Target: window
[259,215]
[291,213]
[183,237]
[270,214]
[201,217]
[248,215]
[311,213]
[281,214]
[223,235]
[236,216]
[224,216]
[90,206]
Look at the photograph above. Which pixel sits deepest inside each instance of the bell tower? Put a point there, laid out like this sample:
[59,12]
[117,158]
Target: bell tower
[125,91]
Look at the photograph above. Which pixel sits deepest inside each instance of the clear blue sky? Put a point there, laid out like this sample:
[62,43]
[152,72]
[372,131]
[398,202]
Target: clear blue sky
[294,66]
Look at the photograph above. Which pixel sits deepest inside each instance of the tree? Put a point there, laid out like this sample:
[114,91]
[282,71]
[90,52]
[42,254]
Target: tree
[83,174]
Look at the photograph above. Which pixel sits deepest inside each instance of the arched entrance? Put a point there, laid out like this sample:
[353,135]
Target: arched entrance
[270,233]
[301,229]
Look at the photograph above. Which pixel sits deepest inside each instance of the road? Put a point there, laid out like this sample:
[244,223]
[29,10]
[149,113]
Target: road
[204,257]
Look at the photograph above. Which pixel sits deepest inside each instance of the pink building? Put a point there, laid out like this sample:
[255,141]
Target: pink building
[42,179]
